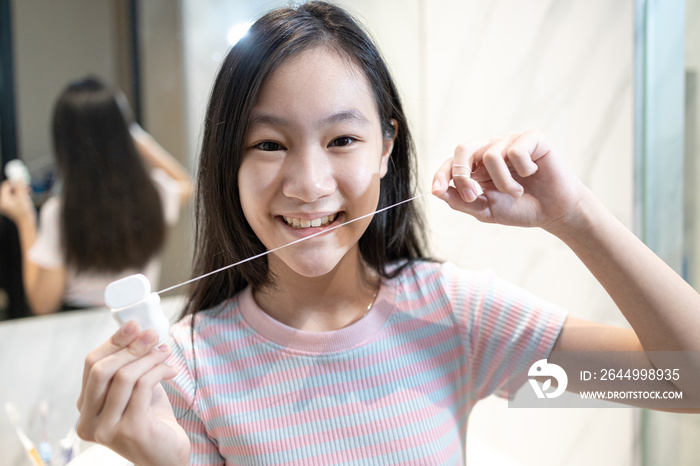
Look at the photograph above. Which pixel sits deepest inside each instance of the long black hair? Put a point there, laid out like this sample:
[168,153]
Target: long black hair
[223,236]
[112,217]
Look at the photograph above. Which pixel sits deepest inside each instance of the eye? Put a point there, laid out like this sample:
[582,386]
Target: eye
[268,146]
[342,141]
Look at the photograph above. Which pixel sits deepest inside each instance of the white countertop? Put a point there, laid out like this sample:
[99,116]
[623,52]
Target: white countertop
[41,359]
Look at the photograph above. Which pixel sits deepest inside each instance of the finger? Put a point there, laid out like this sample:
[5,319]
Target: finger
[461,169]
[534,144]
[442,177]
[6,192]
[102,372]
[519,154]
[5,187]
[18,187]
[478,208]
[120,339]
[125,381]
[142,397]
[495,163]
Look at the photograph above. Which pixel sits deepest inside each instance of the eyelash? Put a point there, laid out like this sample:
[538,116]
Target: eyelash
[260,146]
[349,140]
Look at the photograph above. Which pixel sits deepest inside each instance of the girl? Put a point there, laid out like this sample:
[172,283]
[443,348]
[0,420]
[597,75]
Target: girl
[120,190]
[353,347]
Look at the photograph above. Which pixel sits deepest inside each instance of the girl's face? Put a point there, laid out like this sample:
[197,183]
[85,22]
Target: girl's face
[314,158]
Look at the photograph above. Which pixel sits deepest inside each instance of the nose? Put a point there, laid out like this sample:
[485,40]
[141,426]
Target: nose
[308,175]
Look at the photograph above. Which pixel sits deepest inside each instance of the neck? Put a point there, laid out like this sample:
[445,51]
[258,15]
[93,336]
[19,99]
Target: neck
[318,304]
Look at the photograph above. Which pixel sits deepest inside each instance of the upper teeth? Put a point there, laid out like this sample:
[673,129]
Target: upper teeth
[306,223]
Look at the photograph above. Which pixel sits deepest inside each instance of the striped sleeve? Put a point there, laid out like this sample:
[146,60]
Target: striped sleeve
[505,329]
[181,391]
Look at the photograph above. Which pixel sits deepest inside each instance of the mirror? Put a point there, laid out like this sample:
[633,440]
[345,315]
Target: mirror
[672,145]
[53,43]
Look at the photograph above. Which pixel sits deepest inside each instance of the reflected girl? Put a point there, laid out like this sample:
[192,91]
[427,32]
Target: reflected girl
[120,190]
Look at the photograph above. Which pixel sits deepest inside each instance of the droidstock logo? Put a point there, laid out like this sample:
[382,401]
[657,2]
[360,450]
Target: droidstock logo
[543,369]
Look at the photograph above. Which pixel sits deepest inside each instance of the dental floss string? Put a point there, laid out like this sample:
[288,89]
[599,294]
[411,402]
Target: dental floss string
[290,244]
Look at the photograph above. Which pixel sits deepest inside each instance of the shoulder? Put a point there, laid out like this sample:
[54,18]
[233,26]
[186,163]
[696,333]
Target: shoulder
[198,342]
[50,210]
[47,250]
[432,275]
[208,325]
[437,288]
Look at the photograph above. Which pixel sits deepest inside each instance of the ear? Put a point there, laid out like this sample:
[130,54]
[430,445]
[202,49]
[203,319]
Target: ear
[388,146]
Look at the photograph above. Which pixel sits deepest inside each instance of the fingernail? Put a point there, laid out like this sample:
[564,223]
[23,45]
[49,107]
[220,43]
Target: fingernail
[516,193]
[164,348]
[468,194]
[148,337]
[436,185]
[129,328]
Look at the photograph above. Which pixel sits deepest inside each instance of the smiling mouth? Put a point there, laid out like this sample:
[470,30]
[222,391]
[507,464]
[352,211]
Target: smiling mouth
[310,223]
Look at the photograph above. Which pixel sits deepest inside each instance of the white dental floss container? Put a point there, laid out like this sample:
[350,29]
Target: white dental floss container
[130,298]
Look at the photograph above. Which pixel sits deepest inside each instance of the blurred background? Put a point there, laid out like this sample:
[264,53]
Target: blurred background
[613,84]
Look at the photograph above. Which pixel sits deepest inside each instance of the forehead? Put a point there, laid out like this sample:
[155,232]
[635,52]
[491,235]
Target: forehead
[317,81]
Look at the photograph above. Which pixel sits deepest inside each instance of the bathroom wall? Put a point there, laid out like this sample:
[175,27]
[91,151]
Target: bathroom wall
[564,68]
[50,49]
[162,77]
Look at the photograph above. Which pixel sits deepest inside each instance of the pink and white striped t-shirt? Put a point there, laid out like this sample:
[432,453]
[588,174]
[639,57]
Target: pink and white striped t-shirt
[396,387]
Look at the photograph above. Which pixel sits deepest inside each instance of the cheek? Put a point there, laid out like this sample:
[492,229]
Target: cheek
[247,202]
[361,187]
[259,174]
[362,176]
[254,183]
[359,176]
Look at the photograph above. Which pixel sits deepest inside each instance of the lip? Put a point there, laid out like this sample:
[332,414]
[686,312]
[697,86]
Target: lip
[308,216]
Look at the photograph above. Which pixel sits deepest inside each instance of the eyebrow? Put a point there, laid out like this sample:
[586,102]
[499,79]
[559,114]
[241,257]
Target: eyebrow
[352,115]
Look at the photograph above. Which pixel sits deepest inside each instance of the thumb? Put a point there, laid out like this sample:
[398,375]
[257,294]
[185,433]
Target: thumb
[478,208]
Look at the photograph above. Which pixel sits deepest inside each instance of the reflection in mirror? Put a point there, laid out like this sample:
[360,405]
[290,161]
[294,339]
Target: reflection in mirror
[84,37]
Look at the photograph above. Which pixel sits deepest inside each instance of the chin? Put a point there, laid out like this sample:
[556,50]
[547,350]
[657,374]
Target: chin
[314,270]
[312,264]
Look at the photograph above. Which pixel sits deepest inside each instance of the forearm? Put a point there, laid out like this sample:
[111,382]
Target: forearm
[27,228]
[662,308]
[175,460]
[157,156]
[43,287]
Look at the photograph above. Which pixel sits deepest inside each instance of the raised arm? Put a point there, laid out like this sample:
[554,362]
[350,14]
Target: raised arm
[661,307]
[43,287]
[156,156]
[525,183]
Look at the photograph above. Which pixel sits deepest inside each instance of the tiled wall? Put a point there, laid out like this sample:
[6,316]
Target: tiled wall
[564,68]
